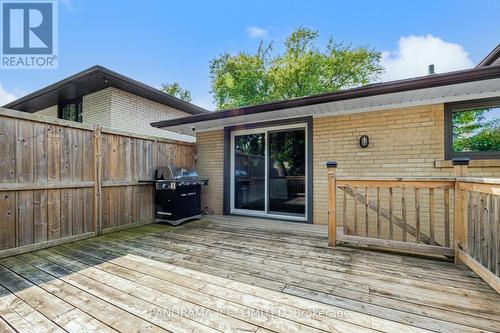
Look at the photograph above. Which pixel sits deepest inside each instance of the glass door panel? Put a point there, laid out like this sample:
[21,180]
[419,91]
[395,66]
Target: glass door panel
[287,172]
[250,172]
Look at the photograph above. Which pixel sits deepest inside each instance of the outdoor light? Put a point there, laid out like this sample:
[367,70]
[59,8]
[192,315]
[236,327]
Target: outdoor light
[364,141]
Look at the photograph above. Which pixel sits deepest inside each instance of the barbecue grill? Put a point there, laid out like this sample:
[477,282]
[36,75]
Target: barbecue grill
[177,194]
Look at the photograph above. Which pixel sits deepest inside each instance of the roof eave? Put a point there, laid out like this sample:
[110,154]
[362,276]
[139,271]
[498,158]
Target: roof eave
[493,56]
[97,69]
[435,80]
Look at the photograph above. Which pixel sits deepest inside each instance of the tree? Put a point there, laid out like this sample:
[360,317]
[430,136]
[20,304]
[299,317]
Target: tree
[301,70]
[175,89]
[476,130]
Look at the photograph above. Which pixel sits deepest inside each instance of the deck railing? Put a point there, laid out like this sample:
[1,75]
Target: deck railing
[452,216]
[397,207]
[478,244]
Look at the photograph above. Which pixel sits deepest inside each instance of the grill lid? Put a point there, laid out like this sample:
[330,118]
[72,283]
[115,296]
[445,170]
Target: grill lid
[171,172]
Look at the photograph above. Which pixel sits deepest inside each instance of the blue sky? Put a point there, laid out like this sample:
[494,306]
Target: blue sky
[165,41]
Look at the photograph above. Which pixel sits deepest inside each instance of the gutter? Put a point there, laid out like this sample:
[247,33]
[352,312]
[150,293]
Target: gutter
[430,81]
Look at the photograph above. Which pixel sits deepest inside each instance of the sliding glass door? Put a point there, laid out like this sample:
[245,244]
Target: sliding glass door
[287,172]
[249,172]
[268,172]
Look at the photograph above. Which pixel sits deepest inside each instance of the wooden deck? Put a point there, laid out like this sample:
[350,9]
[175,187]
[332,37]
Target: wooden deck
[239,275]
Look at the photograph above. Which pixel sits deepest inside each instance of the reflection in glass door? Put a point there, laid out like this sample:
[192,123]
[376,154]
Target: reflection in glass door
[249,172]
[269,168]
[287,172]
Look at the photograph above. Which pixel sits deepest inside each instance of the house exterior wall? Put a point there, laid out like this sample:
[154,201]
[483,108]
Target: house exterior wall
[50,111]
[134,114]
[403,142]
[210,164]
[96,108]
[117,109]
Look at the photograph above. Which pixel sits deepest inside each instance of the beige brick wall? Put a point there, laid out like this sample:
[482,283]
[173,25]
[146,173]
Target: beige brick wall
[403,142]
[118,109]
[210,163]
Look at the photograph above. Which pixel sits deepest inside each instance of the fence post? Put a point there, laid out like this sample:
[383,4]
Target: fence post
[459,230]
[332,203]
[97,180]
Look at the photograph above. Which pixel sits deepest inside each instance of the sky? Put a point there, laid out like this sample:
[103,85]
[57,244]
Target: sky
[164,41]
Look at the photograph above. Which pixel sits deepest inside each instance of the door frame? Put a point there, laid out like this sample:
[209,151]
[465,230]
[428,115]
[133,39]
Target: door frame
[265,127]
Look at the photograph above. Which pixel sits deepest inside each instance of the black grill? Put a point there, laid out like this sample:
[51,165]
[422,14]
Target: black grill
[177,194]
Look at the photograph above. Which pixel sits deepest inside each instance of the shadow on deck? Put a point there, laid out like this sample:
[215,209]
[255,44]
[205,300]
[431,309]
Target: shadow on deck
[240,275]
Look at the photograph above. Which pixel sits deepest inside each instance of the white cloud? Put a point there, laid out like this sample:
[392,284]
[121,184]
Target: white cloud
[5,96]
[416,53]
[256,32]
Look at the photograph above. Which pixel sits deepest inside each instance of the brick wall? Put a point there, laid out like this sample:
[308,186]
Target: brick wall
[118,109]
[210,163]
[133,113]
[51,111]
[96,108]
[403,142]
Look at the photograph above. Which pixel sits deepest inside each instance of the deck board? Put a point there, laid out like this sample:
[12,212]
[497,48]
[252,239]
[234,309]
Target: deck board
[236,274]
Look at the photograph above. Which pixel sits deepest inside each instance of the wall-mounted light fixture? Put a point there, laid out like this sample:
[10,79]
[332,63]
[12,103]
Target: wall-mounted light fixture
[364,141]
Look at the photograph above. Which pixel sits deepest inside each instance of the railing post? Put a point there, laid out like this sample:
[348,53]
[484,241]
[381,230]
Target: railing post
[97,180]
[332,203]
[459,230]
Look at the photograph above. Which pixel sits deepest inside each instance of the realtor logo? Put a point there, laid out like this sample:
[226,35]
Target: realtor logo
[29,34]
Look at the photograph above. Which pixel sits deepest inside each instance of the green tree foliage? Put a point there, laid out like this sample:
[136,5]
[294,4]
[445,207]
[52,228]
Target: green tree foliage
[472,131]
[301,70]
[175,89]
[287,151]
[251,144]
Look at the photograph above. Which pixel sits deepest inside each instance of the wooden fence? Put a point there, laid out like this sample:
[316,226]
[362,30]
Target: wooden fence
[62,181]
[454,217]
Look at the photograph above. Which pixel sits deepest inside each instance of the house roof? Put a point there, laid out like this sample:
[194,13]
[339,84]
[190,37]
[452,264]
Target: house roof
[91,80]
[493,58]
[480,82]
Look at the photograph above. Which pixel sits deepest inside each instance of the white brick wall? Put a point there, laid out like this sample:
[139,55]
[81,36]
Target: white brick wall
[134,114]
[97,108]
[117,109]
[51,111]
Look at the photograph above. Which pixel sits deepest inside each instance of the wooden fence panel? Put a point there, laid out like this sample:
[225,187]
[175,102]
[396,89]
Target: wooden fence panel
[125,160]
[57,185]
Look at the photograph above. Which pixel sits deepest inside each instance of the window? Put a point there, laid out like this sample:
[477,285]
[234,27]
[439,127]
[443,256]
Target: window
[71,111]
[473,129]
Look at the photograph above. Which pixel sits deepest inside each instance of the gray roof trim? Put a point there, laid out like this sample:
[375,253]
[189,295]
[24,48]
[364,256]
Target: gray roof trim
[492,58]
[429,81]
